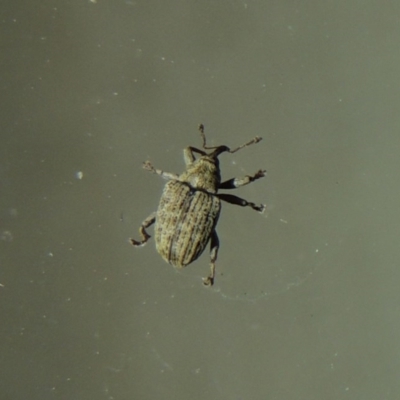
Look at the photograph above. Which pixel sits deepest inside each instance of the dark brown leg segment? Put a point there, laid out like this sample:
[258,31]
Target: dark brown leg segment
[144,236]
[214,246]
[230,198]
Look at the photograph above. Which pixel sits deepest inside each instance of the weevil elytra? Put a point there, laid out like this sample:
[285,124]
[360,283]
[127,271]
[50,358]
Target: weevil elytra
[190,205]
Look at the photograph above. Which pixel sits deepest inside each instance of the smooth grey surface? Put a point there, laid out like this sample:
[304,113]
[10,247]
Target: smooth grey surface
[306,300]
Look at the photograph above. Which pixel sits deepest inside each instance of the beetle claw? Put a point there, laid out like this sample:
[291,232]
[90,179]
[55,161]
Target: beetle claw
[209,281]
[262,208]
[136,243]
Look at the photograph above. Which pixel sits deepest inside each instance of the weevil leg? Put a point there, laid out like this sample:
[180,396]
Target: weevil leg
[237,182]
[148,166]
[241,202]
[214,246]
[142,230]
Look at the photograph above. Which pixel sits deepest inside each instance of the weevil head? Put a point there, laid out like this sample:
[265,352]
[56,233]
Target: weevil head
[204,173]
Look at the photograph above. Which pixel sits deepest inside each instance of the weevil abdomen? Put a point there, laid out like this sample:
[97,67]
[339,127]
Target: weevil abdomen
[186,217]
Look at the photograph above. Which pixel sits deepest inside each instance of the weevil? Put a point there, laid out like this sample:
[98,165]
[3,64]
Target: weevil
[190,205]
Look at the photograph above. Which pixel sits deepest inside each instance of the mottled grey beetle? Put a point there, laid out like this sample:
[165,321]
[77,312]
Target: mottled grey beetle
[190,205]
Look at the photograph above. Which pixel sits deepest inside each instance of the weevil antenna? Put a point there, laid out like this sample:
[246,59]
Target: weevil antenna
[203,136]
[255,140]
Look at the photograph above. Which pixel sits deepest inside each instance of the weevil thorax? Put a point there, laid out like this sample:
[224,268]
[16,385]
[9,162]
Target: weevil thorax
[204,173]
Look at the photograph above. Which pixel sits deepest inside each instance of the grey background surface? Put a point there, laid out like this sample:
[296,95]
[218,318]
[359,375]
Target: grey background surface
[306,300]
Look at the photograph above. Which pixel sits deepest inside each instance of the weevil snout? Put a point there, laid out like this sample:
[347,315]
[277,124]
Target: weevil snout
[219,150]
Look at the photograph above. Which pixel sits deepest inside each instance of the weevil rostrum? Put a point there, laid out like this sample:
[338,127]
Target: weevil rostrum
[190,205]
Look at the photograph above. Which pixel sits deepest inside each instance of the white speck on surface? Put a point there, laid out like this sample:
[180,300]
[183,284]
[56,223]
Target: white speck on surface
[6,236]
[79,175]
